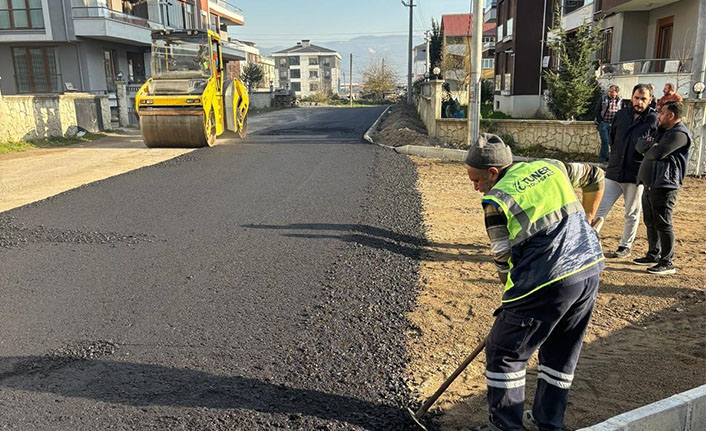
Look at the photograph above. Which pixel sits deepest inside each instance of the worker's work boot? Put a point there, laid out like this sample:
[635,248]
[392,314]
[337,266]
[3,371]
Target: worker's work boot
[528,421]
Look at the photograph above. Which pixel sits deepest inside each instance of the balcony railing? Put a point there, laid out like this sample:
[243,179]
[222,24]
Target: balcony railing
[647,66]
[105,12]
[228,5]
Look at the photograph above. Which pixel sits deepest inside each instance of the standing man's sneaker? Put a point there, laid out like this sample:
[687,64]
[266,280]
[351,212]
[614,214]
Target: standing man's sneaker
[662,269]
[528,421]
[646,261]
[619,253]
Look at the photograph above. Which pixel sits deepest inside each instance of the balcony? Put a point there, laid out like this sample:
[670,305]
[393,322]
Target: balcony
[614,6]
[99,22]
[232,51]
[658,71]
[230,13]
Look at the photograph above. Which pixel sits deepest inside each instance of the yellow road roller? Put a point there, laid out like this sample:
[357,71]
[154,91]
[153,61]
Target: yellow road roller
[187,102]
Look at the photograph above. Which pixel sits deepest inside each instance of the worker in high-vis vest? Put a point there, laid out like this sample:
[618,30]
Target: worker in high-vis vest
[549,259]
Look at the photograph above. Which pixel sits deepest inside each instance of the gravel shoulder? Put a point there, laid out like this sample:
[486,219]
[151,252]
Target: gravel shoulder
[37,174]
[645,341]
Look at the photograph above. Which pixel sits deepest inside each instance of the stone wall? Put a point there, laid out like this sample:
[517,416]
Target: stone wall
[452,130]
[40,116]
[567,136]
[695,120]
[261,99]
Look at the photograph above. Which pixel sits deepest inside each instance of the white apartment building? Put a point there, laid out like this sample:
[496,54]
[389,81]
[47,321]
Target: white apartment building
[308,69]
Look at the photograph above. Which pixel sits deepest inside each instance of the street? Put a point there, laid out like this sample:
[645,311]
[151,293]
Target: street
[259,284]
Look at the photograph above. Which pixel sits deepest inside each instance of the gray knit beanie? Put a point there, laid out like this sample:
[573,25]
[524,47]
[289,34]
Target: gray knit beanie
[488,151]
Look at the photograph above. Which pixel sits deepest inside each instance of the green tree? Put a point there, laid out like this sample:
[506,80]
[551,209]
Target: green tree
[252,74]
[379,78]
[571,85]
[436,44]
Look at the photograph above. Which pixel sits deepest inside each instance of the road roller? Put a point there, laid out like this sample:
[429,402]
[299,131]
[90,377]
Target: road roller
[187,102]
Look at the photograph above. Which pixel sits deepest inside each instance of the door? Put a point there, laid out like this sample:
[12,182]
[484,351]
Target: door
[665,27]
[135,67]
[110,69]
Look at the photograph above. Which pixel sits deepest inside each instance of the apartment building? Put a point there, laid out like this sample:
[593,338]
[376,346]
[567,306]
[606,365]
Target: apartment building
[457,33]
[653,42]
[84,45]
[307,69]
[520,56]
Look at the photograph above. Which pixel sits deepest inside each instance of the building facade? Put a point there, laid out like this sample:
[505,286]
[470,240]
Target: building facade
[85,45]
[457,34]
[308,69]
[651,42]
[520,56]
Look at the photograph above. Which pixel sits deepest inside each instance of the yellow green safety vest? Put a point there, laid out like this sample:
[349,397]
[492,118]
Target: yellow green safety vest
[534,197]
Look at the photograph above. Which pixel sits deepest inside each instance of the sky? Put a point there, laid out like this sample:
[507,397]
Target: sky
[284,22]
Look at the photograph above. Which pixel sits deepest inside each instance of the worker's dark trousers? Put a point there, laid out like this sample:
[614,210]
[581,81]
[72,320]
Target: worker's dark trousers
[554,321]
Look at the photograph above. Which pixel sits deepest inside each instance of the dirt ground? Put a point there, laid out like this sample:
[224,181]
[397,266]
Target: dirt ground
[646,340]
[401,125]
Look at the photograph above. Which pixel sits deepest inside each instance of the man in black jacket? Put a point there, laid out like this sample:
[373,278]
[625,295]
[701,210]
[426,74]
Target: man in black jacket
[630,124]
[662,172]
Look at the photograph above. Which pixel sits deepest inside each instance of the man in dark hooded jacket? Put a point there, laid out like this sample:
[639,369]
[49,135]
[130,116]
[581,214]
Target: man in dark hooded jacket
[666,155]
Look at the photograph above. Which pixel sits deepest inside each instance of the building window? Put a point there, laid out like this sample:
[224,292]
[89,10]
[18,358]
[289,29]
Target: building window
[327,74]
[314,86]
[488,63]
[282,62]
[498,82]
[604,54]
[283,74]
[21,14]
[313,61]
[293,60]
[297,86]
[295,73]
[313,74]
[326,61]
[572,5]
[35,70]
[188,15]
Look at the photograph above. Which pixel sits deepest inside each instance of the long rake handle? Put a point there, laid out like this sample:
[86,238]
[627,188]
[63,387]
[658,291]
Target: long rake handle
[428,403]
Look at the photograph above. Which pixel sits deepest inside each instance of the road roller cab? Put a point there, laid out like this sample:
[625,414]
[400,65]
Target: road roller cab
[187,102]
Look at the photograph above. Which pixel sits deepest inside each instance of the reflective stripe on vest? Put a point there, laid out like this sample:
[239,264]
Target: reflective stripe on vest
[533,196]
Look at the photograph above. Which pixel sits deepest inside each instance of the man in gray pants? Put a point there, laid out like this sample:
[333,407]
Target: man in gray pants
[630,124]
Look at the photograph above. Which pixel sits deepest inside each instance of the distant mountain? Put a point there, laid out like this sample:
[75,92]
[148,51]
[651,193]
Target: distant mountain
[365,49]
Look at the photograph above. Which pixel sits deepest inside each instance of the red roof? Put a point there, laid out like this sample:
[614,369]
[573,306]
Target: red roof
[461,24]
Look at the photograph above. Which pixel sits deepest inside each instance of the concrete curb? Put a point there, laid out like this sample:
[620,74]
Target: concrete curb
[681,412]
[368,135]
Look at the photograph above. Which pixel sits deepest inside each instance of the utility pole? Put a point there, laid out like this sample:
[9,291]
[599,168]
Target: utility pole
[427,66]
[474,82]
[350,83]
[410,5]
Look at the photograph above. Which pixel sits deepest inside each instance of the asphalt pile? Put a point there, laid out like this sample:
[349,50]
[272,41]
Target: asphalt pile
[401,125]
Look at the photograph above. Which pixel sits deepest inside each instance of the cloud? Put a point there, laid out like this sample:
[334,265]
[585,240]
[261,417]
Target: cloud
[370,50]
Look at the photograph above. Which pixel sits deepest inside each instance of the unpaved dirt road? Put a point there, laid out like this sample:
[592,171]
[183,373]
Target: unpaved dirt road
[646,340]
[260,284]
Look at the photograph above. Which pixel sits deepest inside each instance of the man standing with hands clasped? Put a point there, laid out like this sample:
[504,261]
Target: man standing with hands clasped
[630,124]
[549,259]
[662,172]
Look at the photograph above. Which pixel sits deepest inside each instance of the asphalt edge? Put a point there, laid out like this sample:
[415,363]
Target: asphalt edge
[368,135]
[684,412]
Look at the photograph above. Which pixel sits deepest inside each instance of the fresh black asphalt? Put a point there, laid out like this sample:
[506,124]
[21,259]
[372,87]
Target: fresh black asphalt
[259,284]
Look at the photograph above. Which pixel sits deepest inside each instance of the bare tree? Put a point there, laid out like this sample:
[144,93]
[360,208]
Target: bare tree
[684,54]
[378,78]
